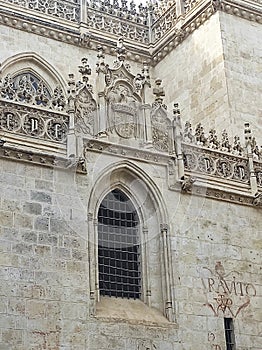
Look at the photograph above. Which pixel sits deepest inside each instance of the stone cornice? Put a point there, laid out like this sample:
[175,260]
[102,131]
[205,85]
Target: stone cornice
[42,159]
[80,34]
[205,186]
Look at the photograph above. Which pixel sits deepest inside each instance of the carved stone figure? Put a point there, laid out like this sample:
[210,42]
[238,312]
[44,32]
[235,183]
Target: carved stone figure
[85,107]
[187,184]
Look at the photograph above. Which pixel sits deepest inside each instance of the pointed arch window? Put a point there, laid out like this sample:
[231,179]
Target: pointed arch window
[118,247]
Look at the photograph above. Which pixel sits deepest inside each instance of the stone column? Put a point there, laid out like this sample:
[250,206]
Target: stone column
[168,273]
[71,137]
[253,178]
[178,141]
[146,276]
[92,264]
[146,109]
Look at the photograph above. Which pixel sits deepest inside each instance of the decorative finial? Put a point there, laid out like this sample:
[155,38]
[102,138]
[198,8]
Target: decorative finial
[85,70]
[248,134]
[145,74]
[71,84]
[158,91]
[121,50]
[100,65]
[176,110]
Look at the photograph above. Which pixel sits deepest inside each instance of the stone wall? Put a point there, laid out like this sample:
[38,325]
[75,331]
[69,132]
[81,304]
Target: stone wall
[45,270]
[216,74]
[46,256]
[242,51]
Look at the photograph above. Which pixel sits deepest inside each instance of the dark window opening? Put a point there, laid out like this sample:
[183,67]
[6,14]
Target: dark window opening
[118,247]
[229,334]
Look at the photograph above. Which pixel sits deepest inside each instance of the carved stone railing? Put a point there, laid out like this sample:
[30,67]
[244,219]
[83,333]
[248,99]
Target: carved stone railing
[159,22]
[66,9]
[119,24]
[189,4]
[215,163]
[29,107]
[218,161]
[164,23]
[29,121]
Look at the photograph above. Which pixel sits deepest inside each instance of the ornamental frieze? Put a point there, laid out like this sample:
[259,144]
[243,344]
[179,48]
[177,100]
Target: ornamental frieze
[39,124]
[106,20]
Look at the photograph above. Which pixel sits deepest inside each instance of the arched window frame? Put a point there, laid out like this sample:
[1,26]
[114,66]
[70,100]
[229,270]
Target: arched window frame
[121,175]
[139,235]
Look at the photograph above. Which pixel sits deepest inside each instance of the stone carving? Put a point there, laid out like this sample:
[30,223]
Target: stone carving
[212,141]
[127,23]
[189,4]
[85,105]
[146,345]
[21,95]
[28,89]
[164,19]
[40,124]
[212,163]
[229,294]
[161,125]
[187,184]
[123,105]
[121,95]
[258,200]
[69,10]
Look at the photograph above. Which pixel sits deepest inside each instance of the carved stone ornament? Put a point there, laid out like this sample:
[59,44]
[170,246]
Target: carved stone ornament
[258,200]
[85,112]
[160,129]
[20,119]
[187,184]
[146,345]
[26,88]
[123,107]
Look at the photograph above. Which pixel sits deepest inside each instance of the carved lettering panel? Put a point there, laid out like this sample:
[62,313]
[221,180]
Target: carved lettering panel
[26,121]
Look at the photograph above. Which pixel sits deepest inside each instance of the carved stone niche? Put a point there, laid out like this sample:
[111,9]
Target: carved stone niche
[85,112]
[162,131]
[123,112]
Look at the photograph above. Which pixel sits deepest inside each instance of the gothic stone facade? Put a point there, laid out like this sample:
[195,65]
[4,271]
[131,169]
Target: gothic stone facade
[100,99]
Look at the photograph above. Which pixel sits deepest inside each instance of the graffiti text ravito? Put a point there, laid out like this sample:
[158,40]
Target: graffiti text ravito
[227,293]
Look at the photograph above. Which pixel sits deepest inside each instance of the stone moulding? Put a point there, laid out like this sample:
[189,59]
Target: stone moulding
[204,185]
[42,159]
[149,41]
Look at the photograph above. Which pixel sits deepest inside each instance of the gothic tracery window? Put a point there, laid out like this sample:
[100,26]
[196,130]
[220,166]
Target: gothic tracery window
[118,247]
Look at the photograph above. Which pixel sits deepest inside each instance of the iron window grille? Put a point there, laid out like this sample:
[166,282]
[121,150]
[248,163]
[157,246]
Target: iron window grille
[229,334]
[118,247]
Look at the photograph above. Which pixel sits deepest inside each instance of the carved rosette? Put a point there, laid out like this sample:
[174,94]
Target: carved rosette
[224,168]
[10,121]
[206,164]
[57,130]
[21,120]
[33,125]
[190,161]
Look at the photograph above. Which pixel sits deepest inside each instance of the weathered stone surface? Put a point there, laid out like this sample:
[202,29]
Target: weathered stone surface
[210,258]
